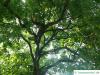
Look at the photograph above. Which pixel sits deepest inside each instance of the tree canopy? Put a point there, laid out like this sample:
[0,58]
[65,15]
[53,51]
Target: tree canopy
[46,36]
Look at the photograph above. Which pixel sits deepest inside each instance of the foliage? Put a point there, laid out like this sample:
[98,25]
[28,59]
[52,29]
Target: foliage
[42,36]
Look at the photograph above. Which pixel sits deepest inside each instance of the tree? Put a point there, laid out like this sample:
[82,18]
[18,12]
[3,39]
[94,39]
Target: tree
[50,27]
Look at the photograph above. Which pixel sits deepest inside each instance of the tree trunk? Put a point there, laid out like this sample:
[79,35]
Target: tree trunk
[36,70]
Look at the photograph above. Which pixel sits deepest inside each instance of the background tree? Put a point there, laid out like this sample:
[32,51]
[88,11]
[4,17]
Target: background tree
[48,33]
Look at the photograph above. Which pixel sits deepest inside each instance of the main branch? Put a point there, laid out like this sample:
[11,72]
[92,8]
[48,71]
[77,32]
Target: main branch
[58,49]
[45,68]
[30,47]
[49,40]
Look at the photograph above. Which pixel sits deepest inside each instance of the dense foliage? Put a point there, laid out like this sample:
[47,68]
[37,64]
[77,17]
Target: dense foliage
[47,36]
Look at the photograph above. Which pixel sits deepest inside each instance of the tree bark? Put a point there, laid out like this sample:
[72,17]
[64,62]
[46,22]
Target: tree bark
[36,68]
